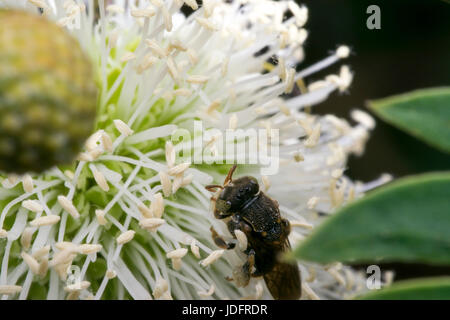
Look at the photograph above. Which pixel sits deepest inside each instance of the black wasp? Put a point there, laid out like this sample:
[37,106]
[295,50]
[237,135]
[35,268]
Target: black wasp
[248,209]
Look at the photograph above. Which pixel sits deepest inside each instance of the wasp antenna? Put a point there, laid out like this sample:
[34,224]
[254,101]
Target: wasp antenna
[229,179]
[213,187]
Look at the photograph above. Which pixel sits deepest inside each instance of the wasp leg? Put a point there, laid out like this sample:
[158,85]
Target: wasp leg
[242,274]
[220,241]
[253,269]
[213,187]
[236,223]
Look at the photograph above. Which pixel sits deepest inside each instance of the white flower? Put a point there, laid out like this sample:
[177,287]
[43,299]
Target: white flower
[115,225]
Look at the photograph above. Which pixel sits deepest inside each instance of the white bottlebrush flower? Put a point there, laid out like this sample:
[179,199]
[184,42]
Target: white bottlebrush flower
[116,223]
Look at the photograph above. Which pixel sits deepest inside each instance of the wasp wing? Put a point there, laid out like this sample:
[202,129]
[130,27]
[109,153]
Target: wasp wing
[283,281]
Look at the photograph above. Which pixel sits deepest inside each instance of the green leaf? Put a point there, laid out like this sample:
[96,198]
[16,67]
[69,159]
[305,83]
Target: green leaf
[424,113]
[418,289]
[405,221]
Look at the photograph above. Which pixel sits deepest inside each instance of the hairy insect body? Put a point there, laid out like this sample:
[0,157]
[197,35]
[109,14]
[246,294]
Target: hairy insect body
[251,211]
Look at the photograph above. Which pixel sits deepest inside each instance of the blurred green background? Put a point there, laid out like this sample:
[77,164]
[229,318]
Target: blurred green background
[410,51]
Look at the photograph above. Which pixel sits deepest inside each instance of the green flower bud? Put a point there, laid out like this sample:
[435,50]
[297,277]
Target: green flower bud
[47,94]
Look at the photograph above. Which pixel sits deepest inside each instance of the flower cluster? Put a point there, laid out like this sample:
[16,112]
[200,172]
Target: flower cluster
[128,220]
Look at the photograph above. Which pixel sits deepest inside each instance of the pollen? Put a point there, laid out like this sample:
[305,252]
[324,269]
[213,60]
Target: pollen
[213,107]
[182,92]
[224,67]
[156,48]
[213,257]
[187,180]
[111,274]
[67,205]
[242,239]
[31,262]
[3,233]
[123,128]
[197,79]
[337,276]
[42,253]
[178,169]
[314,137]
[143,13]
[125,237]
[195,249]
[89,248]
[147,62]
[312,202]
[176,256]
[114,8]
[145,211]
[343,52]
[177,182]
[300,13]
[161,288]
[43,267]
[307,289]
[77,286]
[192,3]
[193,59]
[107,142]
[27,183]
[45,221]
[93,140]
[167,19]
[128,56]
[165,183]
[25,239]
[177,253]
[290,80]
[69,174]
[10,289]
[337,173]
[99,178]
[282,69]
[151,224]
[157,206]
[100,214]
[173,70]
[364,118]
[303,224]
[33,205]
[266,182]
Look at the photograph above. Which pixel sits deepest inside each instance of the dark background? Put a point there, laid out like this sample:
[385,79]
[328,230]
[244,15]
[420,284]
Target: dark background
[411,51]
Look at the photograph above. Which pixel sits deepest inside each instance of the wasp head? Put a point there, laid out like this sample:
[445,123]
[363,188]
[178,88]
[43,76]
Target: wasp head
[235,193]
